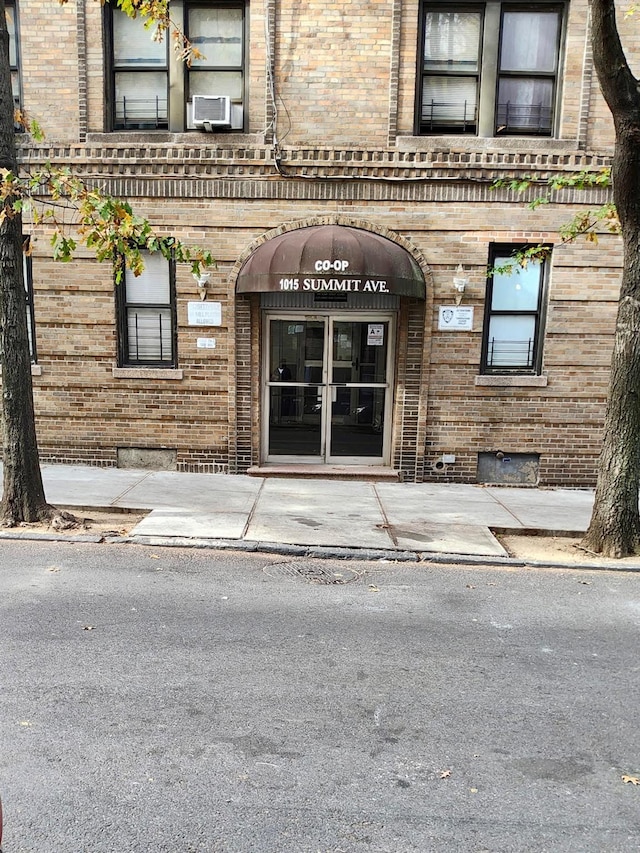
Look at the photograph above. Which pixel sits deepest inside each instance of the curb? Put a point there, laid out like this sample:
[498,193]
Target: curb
[83,538]
[423,558]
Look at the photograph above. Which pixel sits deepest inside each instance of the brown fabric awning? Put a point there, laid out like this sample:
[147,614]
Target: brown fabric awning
[331,258]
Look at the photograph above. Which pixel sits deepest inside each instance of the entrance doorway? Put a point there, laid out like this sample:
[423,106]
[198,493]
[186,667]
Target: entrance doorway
[328,388]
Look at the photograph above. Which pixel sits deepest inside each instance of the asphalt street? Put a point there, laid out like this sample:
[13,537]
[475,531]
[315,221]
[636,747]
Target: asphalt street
[186,700]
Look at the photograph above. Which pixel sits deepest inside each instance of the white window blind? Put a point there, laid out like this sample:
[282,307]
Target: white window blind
[149,312]
[452,41]
[449,99]
[152,285]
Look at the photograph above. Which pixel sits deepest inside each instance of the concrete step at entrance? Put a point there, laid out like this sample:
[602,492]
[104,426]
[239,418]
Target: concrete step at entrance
[327,472]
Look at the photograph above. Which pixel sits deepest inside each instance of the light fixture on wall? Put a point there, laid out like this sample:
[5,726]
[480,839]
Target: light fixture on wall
[202,280]
[460,282]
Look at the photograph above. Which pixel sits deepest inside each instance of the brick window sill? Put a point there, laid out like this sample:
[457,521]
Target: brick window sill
[147,373]
[512,381]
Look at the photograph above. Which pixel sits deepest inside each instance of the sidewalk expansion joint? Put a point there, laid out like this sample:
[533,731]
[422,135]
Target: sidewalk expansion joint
[506,508]
[252,511]
[386,524]
[131,487]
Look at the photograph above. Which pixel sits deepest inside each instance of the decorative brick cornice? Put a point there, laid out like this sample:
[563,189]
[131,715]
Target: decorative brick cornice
[434,191]
[152,162]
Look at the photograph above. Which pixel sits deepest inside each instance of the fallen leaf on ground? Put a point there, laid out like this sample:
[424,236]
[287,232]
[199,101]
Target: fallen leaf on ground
[632,779]
[445,774]
[87,628]
[373,588]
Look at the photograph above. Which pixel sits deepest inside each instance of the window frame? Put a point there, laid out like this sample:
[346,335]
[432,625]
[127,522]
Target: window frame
[178,95]
[114,69]
[489,72]
[503,250]
[425,8]
[14,68]
[210,66]
[123,307]
[506,7]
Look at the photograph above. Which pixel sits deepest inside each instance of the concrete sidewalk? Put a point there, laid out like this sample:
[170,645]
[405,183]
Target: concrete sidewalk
[320,513]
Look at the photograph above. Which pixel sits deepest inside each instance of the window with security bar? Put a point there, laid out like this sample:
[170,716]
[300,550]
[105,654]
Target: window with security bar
[150,90]
[514,318]
[14,55]
[147,315]
[140,75]
[489,69]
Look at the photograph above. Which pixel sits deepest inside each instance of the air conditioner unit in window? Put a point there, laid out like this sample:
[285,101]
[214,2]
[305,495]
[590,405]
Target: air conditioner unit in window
[211,111]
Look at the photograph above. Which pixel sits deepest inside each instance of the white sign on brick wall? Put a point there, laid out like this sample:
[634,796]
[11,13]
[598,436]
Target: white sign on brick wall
[455,318]
[204,313]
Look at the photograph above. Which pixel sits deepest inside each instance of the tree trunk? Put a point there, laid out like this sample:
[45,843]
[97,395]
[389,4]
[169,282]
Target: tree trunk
[614,529]
[23,496]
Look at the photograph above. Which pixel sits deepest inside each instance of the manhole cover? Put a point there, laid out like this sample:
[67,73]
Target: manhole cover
[312,572]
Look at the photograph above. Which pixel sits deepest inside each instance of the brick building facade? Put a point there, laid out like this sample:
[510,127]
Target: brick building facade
[351,132]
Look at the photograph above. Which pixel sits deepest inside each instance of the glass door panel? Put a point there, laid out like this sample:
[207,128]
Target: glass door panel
[358,389]
[359,352]
[295,421]
[357,422]
[296,370]
[296,351]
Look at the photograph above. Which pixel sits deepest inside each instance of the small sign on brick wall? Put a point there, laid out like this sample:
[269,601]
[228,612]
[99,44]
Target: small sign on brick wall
[204,313]
[455,318]
[206,343]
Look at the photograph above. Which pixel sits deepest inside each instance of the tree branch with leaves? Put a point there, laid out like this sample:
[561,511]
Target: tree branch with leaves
[75,211]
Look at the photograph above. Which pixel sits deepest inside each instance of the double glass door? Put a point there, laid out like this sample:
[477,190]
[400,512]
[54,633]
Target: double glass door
[328,388]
